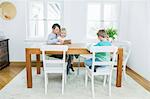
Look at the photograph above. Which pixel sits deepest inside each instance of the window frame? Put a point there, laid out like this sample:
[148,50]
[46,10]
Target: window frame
[102,2]
[45,20]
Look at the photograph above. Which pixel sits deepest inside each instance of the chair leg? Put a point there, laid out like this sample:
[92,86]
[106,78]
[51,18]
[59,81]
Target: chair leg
[109,85]
[124,74]
[63,83]
[86,78]
[78,65]
[65,77]
[46,82]
[92,82]
[105,78]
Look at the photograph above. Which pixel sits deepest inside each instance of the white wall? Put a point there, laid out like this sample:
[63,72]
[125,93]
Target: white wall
[137,32]
[148,35]
[75,19]
[134,18]
[15,30]
[124,16]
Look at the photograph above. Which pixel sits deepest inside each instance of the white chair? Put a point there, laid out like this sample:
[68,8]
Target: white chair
[85,56]
[126,45]
[54,65]
[105,70]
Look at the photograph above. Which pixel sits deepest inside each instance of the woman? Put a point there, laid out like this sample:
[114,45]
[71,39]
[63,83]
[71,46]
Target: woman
[53,37]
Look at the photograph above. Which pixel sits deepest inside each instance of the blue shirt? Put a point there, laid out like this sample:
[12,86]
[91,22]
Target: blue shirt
[103,56]
[103,43]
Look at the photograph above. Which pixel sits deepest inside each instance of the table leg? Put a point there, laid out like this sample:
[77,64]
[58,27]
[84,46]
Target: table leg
[38,63]
[78,65]
[119,67]
[28,69]
[68,64]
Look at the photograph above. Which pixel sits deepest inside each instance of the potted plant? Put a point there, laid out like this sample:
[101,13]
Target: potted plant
[112,33]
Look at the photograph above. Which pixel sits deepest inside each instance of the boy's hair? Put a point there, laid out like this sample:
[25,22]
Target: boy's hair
[56,25]
[102,33]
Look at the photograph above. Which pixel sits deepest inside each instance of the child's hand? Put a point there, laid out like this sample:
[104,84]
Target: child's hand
[58,37]
[61,41]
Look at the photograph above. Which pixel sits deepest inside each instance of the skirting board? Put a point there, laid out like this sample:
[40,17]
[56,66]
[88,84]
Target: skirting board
[75,64]
[138,78]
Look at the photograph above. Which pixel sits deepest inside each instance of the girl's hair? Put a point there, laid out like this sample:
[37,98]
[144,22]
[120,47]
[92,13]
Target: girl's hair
[56,25]
[102,33]
[63,29]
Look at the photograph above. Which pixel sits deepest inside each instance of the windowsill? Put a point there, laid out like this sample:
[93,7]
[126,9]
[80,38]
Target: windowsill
[34,40]
[88,40]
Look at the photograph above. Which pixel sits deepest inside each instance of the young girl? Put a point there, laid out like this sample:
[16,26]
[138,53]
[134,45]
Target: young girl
[103,41]
[63,34]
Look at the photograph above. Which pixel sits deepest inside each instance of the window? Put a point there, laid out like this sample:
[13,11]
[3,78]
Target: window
[42,15]
[101,15]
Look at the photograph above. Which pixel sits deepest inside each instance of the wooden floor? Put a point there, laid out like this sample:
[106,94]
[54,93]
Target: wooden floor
[8,73]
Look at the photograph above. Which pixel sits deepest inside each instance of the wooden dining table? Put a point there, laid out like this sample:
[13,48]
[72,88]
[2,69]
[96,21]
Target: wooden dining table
[75,48]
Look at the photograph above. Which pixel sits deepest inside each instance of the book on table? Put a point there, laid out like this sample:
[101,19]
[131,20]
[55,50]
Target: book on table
[68,41]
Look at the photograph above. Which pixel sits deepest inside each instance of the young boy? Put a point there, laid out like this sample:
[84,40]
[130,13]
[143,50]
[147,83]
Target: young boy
[101,56]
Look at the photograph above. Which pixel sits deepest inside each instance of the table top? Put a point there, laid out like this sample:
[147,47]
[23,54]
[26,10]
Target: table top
[71,46]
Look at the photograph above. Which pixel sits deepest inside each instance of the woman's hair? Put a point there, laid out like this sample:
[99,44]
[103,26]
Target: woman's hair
[102,33]
[56,25]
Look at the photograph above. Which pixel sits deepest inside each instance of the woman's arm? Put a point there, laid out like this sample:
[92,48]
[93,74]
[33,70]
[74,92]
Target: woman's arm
[52,39]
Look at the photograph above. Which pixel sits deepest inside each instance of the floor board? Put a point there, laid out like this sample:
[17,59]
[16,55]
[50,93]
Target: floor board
[8,73]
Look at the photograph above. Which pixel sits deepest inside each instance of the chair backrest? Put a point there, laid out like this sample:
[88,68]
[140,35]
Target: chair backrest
[105,49]
[126,45]
[59,48]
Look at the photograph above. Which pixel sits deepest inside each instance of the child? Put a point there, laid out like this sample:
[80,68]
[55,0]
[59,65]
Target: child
[101,56]
[62,36]
[63,32]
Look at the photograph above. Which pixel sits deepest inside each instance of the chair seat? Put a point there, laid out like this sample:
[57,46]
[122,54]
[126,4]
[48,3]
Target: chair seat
[86,56]
[103,70]
[55,68]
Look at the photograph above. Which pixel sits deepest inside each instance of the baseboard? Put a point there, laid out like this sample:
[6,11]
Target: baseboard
[136,74]
[19,63]
[15,63]
[138,78]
